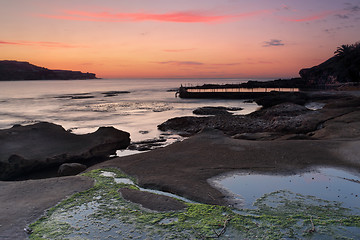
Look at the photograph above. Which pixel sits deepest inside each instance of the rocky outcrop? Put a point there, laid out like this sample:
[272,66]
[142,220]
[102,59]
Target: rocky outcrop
[285,118]
[14,70]
[344,67]
[24,149]
[279,120]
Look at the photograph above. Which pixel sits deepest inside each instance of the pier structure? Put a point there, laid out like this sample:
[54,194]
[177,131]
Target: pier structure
[230,91]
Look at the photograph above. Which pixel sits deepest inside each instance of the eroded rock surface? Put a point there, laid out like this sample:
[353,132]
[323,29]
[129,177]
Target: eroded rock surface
[281,119]
[286,117]
[24,149]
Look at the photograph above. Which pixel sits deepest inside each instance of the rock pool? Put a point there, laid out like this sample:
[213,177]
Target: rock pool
[324,183]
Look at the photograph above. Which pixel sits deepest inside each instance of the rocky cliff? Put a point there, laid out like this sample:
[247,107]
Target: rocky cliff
[343,67]
[14,70]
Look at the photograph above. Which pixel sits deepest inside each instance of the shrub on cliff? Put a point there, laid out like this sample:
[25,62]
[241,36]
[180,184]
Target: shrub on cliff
[343,67]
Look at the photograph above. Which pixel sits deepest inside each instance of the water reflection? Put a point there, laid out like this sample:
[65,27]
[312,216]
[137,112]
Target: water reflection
[83,106]
[324,183]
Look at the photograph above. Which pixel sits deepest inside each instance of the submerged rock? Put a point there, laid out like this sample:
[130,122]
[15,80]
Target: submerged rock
[214,110]
[114,93]
[147,145]
[24,149]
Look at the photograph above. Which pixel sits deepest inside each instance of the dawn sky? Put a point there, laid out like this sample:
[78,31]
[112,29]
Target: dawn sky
[187,38]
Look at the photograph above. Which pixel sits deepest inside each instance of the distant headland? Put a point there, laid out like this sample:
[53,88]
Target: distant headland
[15,70]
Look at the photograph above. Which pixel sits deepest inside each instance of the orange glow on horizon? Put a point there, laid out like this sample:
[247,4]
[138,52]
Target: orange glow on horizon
[201,39]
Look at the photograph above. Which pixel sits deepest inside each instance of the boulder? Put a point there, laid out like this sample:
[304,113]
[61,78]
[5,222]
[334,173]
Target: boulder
[71,169]
[24,149]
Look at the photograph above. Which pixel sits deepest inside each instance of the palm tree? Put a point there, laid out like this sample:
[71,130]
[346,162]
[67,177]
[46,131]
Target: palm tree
[343,50]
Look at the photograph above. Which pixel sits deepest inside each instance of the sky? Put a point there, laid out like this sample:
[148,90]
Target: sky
[177,38]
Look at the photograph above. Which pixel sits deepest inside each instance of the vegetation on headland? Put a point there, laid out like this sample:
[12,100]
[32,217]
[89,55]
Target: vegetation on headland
[343,67]
[15,70]
[102,212]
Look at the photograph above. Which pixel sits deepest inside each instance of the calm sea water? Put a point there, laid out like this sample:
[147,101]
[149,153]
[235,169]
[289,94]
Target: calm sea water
[85,105]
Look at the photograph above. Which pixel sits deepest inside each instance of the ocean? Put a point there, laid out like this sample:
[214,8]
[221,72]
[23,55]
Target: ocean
[82,106]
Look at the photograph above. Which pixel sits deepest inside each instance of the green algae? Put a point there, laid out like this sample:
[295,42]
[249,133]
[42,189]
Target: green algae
[101,213]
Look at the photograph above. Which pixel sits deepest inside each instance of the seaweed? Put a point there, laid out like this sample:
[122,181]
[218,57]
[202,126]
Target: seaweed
[101,212]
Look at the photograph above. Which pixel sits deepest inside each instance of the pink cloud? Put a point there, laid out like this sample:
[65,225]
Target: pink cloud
[181,63]
[179,50]
[225,64]
[9,43]
[310,18]
[39,44]
[180,17]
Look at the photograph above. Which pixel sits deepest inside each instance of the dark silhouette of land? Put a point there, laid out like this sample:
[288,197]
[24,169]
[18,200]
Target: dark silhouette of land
[14,70]
[343,67]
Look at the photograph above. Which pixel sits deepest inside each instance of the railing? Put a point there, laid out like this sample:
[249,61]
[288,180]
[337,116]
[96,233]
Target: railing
[239,90]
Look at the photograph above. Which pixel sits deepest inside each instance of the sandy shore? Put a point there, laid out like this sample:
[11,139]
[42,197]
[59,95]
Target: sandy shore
[184,168]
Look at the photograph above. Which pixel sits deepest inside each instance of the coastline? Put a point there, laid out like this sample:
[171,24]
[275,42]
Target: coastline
[184,168]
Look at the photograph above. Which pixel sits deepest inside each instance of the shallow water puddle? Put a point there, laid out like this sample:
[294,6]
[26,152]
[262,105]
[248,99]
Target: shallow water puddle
[324,183]
[128,181]
[117,180]
[314,105]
